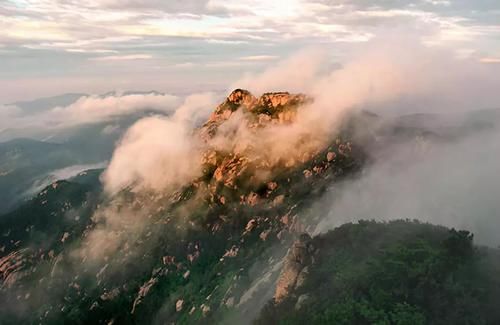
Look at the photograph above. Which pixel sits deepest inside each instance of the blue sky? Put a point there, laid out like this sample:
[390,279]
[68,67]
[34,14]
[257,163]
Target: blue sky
[49,47]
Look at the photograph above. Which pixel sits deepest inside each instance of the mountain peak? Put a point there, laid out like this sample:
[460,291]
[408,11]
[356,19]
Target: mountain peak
[241,97]
[272,106]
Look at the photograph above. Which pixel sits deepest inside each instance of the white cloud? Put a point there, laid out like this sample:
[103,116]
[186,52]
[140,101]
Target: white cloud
[9,114]
[122,57]
[88,109]
[197,32]
[161,153]
[450,183]
[286,74]
[258,58]
[156,153]
[490,60]
[196,108]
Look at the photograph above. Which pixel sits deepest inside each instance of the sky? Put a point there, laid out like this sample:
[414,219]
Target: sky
[50,47]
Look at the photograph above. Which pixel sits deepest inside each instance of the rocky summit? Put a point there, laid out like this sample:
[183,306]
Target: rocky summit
[237,242]
[183,256]
[277,107]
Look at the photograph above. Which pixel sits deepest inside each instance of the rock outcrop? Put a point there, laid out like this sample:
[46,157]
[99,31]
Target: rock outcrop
[295,267]
[276,107]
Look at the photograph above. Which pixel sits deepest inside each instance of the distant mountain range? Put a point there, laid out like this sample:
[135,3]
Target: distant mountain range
[40,104]
[31,157]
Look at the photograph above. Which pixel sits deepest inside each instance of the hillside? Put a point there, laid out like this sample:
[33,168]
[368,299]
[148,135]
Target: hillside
[401,272]
[213,250]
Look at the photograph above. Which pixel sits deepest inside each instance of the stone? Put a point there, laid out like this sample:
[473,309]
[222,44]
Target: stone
[296,260]
[143,292]
[178,305]
[65,237]
[278,200]
[230,302]
[205,309]
[307,173]
[330,156]
[233,252]
[301,300]
[263,235]
[271,186]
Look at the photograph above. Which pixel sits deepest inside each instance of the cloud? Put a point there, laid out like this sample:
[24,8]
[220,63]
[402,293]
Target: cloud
[196,108]
[388,76]
[50,39]
[122,57]
[8,114]
[188,6]
[390,67]
[258,58]
[89,109]
[95,108]
[284,75]
[490,60]
[129,23]
[155,153]
[60,174]
[160,153]
[451,183]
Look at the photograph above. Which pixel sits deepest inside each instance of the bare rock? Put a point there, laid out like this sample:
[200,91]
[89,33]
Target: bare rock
[242,97]
[178,305]
[278,200]
[143,292]
[299,256]
[110,295]
[205,309]
[301,300]
[230,302]
[233,252]
[307,173]
[13,267]
[263,235]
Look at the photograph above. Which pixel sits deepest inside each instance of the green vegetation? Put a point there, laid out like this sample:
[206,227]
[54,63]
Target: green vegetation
[400,272]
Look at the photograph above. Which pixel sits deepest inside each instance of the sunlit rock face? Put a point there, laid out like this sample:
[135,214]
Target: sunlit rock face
[242,97]
[275,107]
[277,99]
[250,141]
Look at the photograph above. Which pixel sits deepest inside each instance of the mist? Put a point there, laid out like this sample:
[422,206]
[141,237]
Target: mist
[87,110]
[455,184]
[163,153]
[160,153]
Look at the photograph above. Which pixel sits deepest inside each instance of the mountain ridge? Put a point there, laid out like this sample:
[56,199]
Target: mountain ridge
[213,250]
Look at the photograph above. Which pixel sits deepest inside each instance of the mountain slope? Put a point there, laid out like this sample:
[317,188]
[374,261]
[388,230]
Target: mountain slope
[25,163]
[209,251]
[400,272]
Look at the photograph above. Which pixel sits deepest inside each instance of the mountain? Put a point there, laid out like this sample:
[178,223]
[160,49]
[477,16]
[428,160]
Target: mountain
[401,272]
[41,104]
[234,244]
[26,165]
[28,112]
